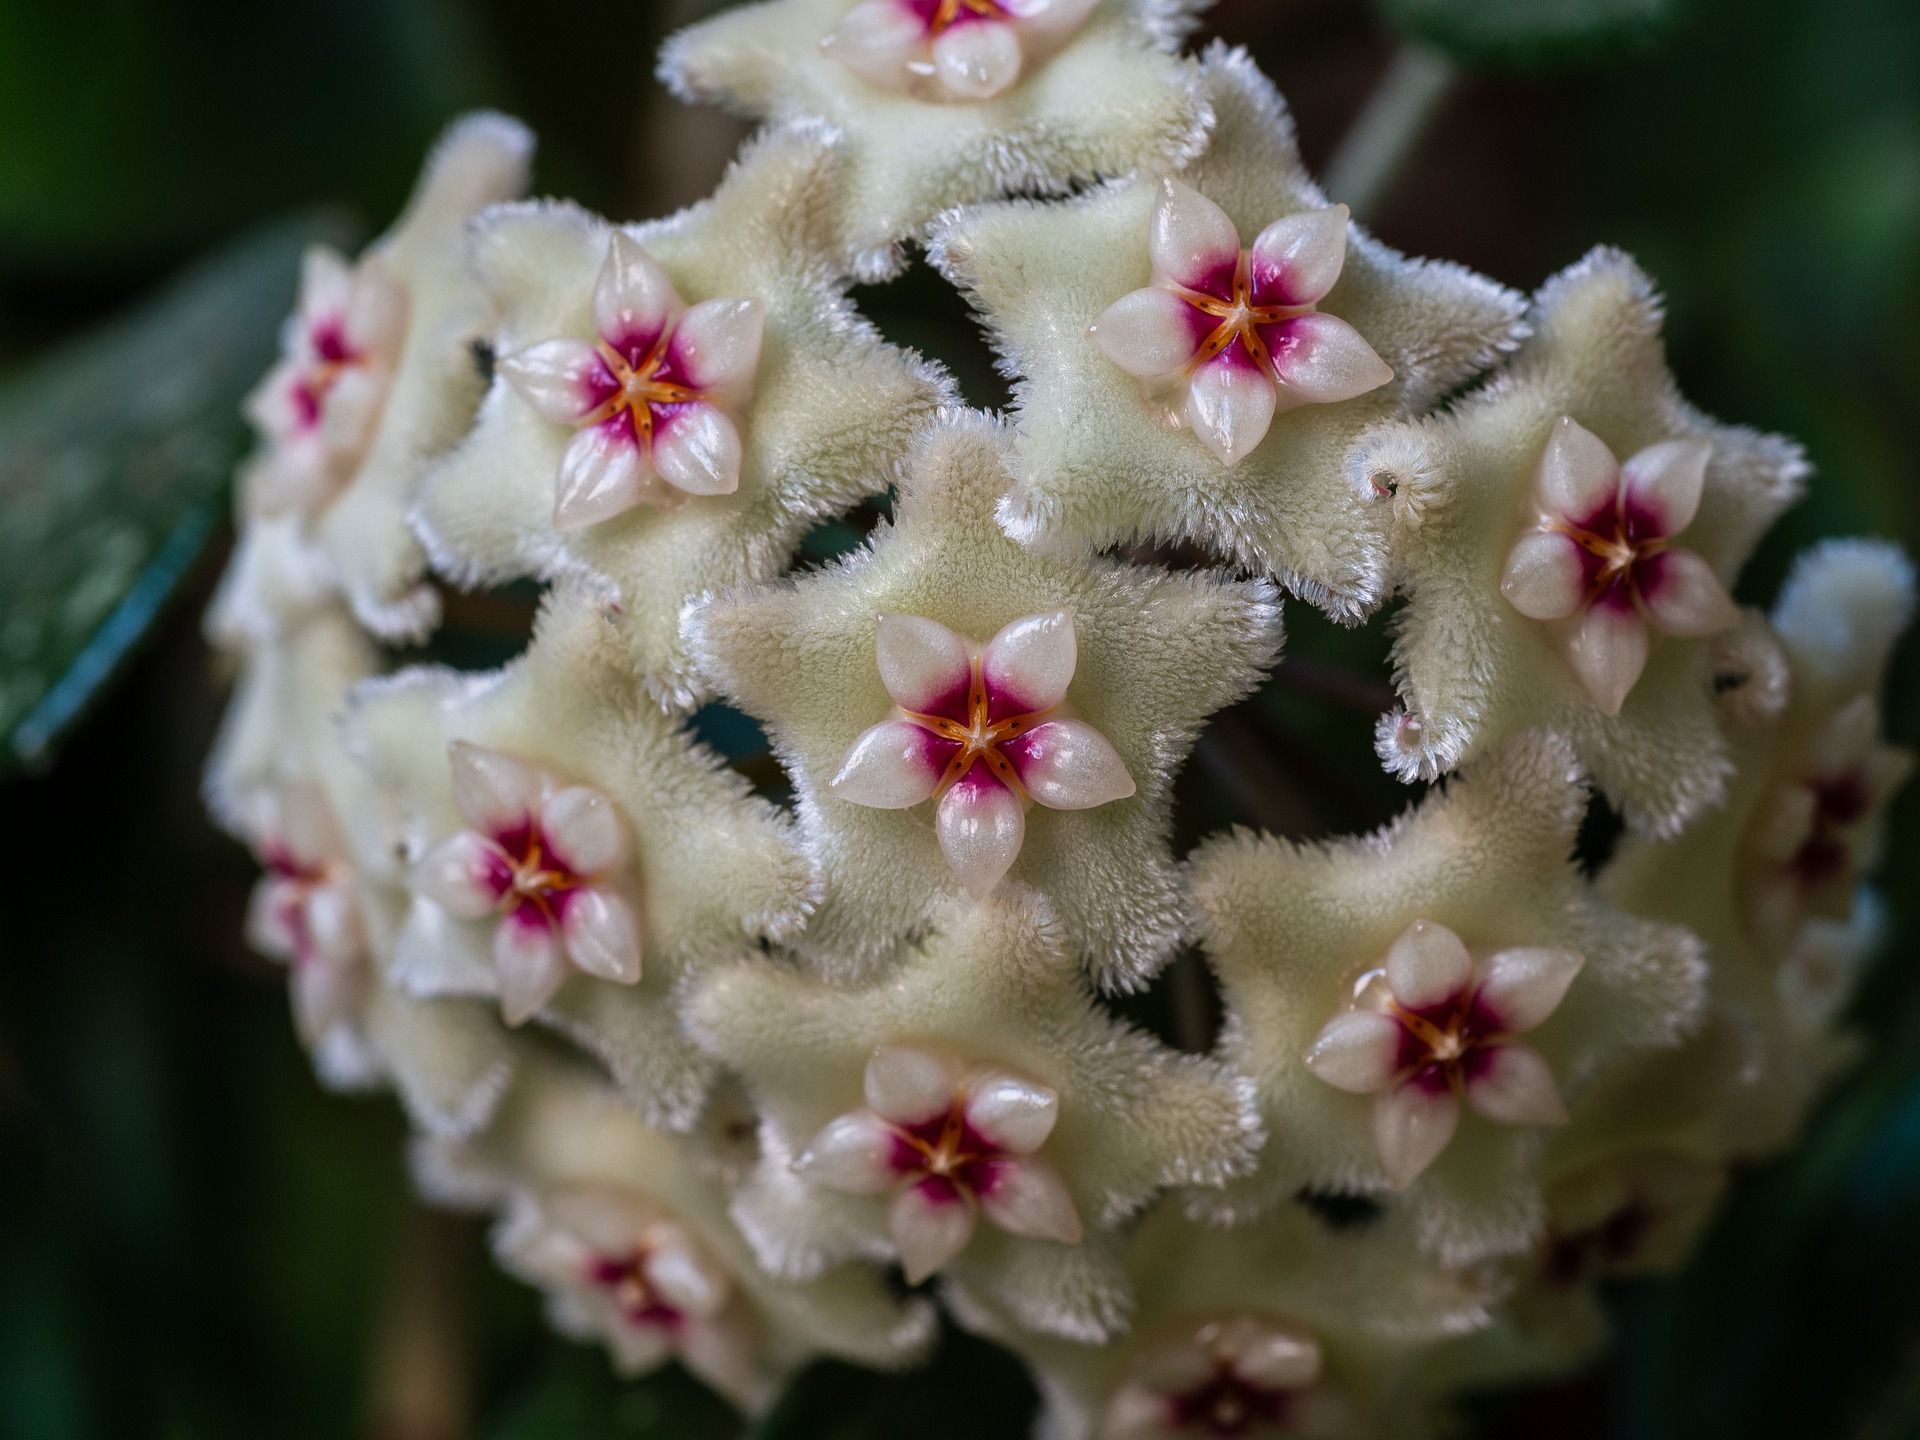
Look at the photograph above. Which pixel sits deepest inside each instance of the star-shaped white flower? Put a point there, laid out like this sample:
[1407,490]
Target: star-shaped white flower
[978,727]
[377,377]
[1471,906]
[1240,334]
[945,102]
[625,1229]
[1279,1327]
[1431,1027]
[1140,655]
[572,852]
[976,1081]
[1535,566]
[675,404]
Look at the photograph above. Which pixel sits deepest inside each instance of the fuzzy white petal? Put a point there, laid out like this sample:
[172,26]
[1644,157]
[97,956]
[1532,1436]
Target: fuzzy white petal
[1516,1088]
[1297,259]
[556,378]
[1030,662]
[1686,598]
[1230,406]
[465,874]
[1577,474]
[979,60]
[1357,1051]
[1013,1112]
[1191,241]
[1147,332]
[530,965]
[927,1231]
[1526,984]
[496,792]
[633,299]
[890,767]
[1607,647]
[716,346]
[852,1152]
[1411,1126]
[981,825]
[1666,480]
[1427,965]
[601,935]
[1544,579]
[922,662]
[1028,1197]
[603,473]
[697,449]
[908,1085]
[585,830]
[1321,360]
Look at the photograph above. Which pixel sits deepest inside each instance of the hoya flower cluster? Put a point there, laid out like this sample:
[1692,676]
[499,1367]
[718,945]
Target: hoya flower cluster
[718,1065]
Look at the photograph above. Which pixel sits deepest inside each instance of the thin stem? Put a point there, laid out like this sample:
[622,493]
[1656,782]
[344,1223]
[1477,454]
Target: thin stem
[1388,130]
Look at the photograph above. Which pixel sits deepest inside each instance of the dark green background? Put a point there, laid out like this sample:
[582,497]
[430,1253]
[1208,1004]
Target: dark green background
[197,1243]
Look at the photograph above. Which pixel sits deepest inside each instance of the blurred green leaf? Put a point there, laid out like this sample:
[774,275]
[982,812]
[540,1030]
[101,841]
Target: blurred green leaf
[575,1396]
[114,456]
[1532,34]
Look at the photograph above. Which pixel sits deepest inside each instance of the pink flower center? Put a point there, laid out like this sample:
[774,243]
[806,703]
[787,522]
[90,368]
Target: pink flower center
[1620,548]
[1443,1046]
[1616,1240]
[298,880]
[1227,1404]
[940,16]
[632,386]
[1237,318]
[639,1304]
[1840,802]
[536,883]
[333,356]
[945,1153]
[991,720]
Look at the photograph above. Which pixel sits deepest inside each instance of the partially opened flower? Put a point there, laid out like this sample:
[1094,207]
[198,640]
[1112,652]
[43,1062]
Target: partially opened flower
[954,50]
[1421,1007]
[378,378]
[625,1229]
[1140,655]
[944,102]
[1241,334]
[675,404]
[543,861]
[647,397]
[979,730]
[305,910]
[972,1113]
[1430,1028]
[1534,522]
[571,852]
[1636,1214]
[1279,1327]
[1599,561]
[950,1141]
[1228,336]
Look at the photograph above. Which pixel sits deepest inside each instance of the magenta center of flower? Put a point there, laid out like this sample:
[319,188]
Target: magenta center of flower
[333,356]
[977,727]
[1616,1240]
[945,1155]
[1621,545]
[1443,1046]
[1234,319]
[534,883]
[940,16]
[297,882]
[1227,1404]
[1839,803]
[632,384]
[625,1279]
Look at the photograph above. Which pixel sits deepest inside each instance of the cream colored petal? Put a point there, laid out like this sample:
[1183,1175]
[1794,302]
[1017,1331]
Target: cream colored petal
[1516,1087]
[633,300]
[909,1085]
[696,448]
[603,473]
[853,1152]
[1607,647]
[1027,1197]
[1684,597]
[601,935]
[1149,332]
[1028,665]
[496,792]
[1544,579]
[1577,473]
[981,826]
[929,1227]
[978,60]
[1526,984]
[891,766]
[1428,965]
[877,40]
[1357,1051]
[1665,482]
[923,664]
[1191,241]
[1411,1126]
[1230,405]
[716,347]
[531,967]
[1015,1113]
[1069,765]
[585,830]
[1321,360]
[1297,259]
[561,379]
[465,874]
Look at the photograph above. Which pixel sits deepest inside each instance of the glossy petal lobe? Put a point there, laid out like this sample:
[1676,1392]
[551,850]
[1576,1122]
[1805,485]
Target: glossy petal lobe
[1230,406]
[1544,579]
[1428,965]
[908,1085]
[980,825]
[1321,359]
[1665,481]
[1297,259]
[1069,765]
[1013,1112]
[1356,1051]
[696,448]
[560,379]
[1577,473]
[602,936]
[977,61]
[1526,984]
[1684,597]
[1028,1197]
[1607,647]
[1028,665]
[852,1152]
[1411,1126]
[1515,1086]
[1147,332]
[891,766]
[923,664]
[1192,242]
[931,1223]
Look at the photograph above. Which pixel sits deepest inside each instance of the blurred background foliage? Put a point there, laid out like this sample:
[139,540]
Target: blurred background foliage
[196,1242]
